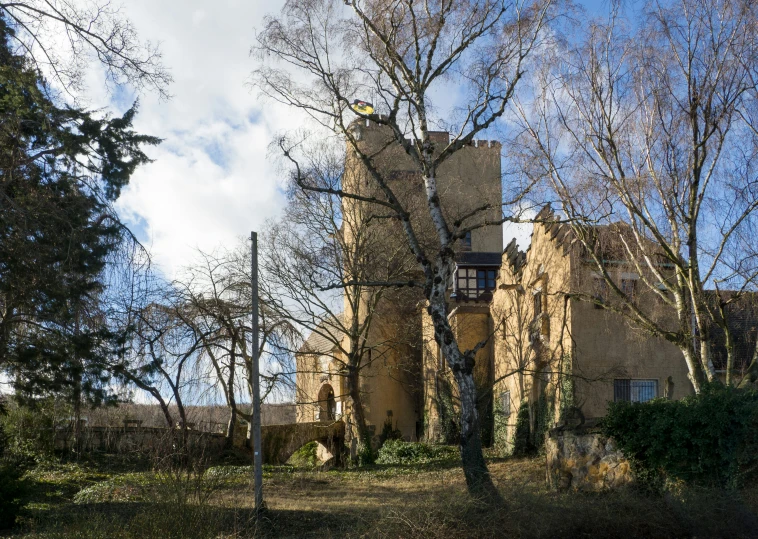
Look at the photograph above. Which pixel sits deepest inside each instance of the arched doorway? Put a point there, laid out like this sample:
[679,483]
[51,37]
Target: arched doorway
[327,405]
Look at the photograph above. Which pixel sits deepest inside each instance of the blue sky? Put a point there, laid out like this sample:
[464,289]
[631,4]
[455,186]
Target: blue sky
[213,179]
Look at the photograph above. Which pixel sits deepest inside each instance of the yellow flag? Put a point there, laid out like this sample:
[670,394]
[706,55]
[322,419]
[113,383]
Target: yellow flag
[363,107]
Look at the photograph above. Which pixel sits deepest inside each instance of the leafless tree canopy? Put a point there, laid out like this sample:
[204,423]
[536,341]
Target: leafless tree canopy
[61,37]
[329,266]
[649,118]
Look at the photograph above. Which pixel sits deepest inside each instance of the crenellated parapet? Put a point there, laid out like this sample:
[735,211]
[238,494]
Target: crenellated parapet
[363,129]
[515,258]
[559,232]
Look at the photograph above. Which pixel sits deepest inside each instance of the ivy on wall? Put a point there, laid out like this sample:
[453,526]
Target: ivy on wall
[525,441]
[566,389]
[450,429]
[503,445]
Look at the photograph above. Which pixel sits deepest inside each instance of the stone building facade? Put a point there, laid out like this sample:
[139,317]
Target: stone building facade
[548,356]
[394,380]
[566,356]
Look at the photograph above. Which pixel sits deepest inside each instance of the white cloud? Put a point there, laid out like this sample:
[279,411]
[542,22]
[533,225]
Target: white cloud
[189,199]
[210,181]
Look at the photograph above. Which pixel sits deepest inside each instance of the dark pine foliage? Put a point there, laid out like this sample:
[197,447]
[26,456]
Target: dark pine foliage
[60,168]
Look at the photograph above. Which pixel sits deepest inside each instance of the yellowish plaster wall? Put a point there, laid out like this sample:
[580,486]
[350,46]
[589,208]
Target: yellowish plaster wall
[608,347]
[531,349]
[400,378]
[313,372]
[587,346]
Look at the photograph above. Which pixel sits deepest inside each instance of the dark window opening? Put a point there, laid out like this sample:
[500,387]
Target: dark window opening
[466,242]
[327,404]
[629,287]
[505,403]
[635,390]
[540,325]
[537,303]
[600,291]
[474,282]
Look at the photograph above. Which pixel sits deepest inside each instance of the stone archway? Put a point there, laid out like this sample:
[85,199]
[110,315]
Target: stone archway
[278,442]
[327,404]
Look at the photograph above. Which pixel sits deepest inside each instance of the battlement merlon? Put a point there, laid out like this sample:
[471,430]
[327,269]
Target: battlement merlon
[470,179]
[366,127]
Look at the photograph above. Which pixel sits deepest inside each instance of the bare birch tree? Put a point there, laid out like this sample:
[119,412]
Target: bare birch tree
[62,37]
[329,268]
[649,118]
[320,55]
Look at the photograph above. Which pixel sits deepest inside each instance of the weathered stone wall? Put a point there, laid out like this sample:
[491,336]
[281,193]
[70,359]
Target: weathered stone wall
[278,442]
[586,461]
[147,440]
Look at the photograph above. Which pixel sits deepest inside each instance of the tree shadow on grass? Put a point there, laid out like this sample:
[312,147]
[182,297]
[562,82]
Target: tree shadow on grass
[127,520]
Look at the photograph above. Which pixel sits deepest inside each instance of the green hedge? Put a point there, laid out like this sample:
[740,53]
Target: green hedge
[400,452]
[709,439]
[12,487]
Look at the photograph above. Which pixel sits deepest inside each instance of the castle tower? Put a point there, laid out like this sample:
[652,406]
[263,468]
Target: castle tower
[402,384]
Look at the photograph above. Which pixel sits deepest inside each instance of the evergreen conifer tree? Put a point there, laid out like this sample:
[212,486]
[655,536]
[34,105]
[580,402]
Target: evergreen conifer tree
[60,169]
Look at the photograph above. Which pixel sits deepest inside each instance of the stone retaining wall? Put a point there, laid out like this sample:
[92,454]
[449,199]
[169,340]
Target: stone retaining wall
[585,461]
[136,439]
[278,442]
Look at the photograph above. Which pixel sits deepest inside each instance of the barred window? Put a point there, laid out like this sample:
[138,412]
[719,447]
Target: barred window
[505,403]
[629,287]
[634,390]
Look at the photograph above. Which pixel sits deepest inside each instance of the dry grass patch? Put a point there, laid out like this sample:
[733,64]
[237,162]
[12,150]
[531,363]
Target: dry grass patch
[394,501]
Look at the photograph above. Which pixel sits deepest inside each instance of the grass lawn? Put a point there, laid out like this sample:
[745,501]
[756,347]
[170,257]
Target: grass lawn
[100,499]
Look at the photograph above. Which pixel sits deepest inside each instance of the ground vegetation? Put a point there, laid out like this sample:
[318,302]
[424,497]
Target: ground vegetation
[99,498]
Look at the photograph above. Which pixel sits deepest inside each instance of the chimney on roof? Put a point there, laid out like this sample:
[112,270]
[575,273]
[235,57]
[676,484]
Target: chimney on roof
[439,137]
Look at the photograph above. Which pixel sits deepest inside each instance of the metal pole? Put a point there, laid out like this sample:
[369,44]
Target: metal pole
[257,455]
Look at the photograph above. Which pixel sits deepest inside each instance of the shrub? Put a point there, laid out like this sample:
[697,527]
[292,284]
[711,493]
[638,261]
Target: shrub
[389,432]
[12,491]
[125,488]
[12,487]
[226,472]
[30,429]
[400,452]
[709,439]
[305,457]
[365,455]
